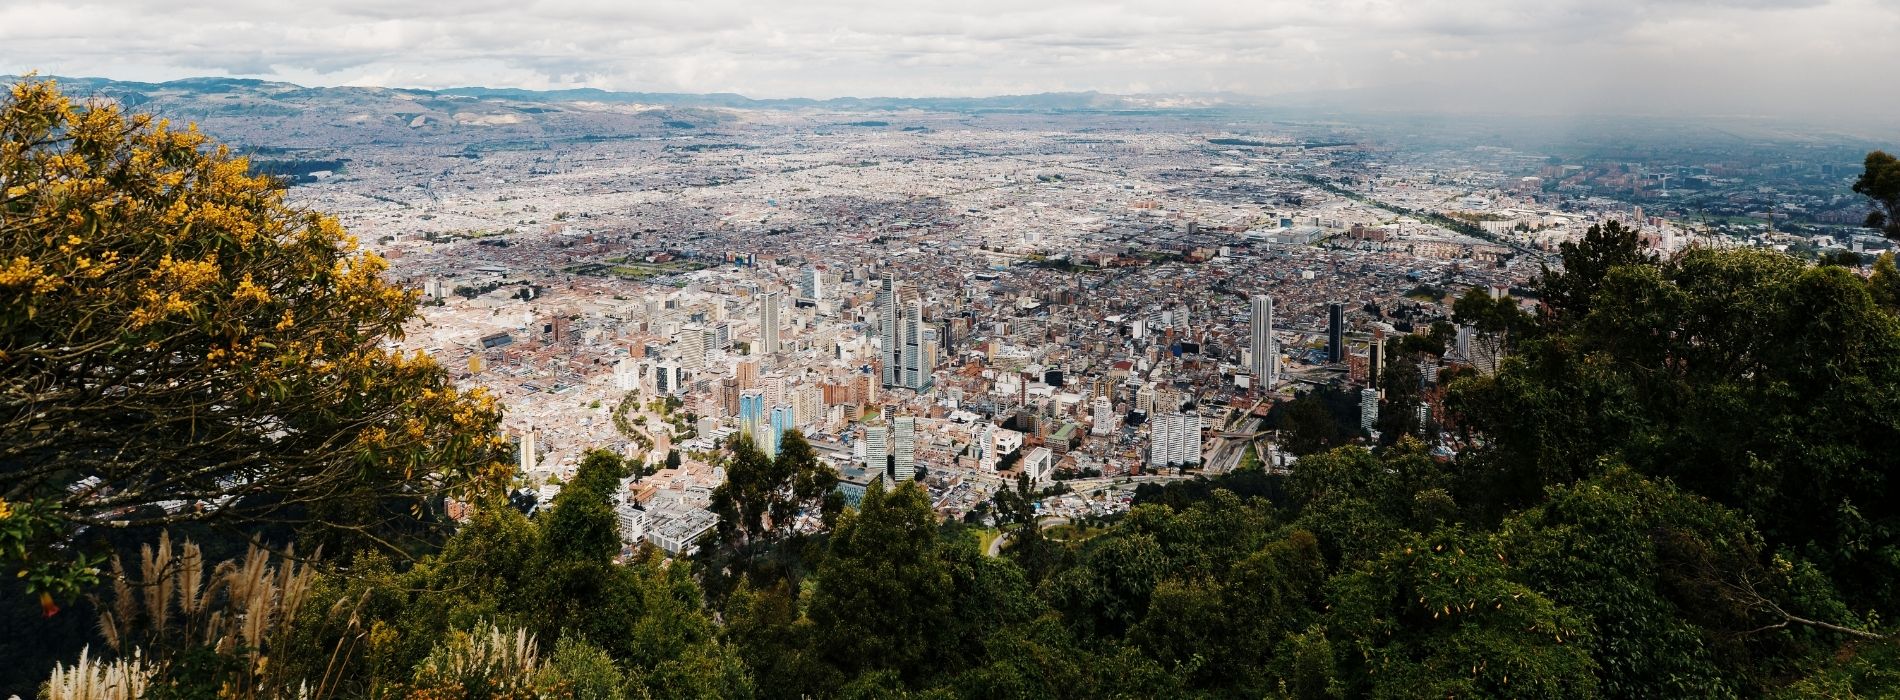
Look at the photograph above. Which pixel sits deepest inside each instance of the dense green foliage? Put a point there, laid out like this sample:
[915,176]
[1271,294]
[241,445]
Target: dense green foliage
[181,348]
[1880,182]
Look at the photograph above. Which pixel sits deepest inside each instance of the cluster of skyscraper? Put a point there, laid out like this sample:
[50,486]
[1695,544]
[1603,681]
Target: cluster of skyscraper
[891,449]
[909,347]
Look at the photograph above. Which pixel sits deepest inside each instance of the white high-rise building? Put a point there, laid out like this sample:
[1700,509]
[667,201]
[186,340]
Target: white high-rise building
[1368,408]
[877,448]
[1174,439]
[528,457]
[1104,411]
[1266,357]
[811,284]
[768,323]
[692,345]
[626,375]
[904,448]
[983,443]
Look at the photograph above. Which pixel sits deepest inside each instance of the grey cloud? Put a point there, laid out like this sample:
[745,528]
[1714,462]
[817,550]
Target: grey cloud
[1635,55]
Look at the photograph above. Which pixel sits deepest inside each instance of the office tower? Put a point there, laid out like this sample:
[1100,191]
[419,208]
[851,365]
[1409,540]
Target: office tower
[1368,408]
[1104,411]
[877,448]
[1175,440]
[669,378]
[811,284]
[904,448]
[1335,333]
[692,344]
[722,335]
[919,346]
[782,420]
[752,416]
[1375,360]
[891,354]
[984,443]
[768,324]
[528,457]
[909,347]
[927,348]
[1266,357]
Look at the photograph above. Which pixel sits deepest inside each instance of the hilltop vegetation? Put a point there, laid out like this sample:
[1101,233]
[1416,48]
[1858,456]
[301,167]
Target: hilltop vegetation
[1680,485]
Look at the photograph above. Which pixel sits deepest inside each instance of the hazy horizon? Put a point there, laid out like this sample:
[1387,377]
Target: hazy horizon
[1762,58]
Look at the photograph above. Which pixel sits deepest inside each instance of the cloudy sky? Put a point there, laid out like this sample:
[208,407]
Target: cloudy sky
[1770,57]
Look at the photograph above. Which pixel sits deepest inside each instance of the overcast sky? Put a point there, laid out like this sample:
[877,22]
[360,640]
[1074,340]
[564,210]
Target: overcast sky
[1772,57]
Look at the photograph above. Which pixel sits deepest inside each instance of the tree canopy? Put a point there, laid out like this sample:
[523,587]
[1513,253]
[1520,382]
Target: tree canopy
[179,346]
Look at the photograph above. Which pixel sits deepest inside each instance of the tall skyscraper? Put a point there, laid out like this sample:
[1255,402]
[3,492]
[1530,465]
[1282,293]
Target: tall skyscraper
[909,348]
[1104,416]
[811,284]
[904,448]
[528,457]
[752,416]
[1375,360]
[1368,408]
[877,448]
[768,323]
[891,353]
[920,346]
[692,345]
[783,419]
[1335,332]
[1266,357]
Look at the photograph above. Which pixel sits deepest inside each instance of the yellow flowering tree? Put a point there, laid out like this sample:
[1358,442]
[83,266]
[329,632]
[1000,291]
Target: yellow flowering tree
[179,345]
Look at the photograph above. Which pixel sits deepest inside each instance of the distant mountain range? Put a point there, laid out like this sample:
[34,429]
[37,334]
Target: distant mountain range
[264,114]
[294,116]
[132,92]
